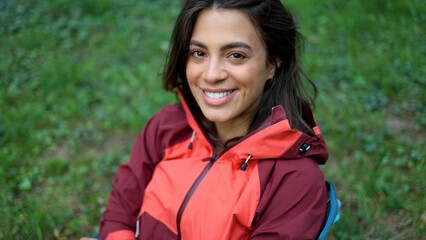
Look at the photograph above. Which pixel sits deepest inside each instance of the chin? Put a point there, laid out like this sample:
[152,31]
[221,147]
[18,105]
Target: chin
[217,116]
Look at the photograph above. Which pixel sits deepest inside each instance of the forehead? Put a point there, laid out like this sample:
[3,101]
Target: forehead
[221,26]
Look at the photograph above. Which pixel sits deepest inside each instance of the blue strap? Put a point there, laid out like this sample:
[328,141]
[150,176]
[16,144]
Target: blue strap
[334,211]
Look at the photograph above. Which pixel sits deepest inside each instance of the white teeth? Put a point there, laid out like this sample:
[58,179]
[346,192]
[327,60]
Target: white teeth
[217,95]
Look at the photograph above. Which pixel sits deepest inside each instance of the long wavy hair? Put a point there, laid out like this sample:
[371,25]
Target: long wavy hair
[283,43]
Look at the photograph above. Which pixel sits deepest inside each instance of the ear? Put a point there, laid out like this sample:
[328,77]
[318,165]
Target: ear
[273,67]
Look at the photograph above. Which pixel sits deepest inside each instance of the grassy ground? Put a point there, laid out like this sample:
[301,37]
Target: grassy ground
[78,80]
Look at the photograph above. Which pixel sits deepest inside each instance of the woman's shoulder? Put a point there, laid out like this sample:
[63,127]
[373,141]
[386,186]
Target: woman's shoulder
[169,125]
[169,113]
[304,171]
[172,108]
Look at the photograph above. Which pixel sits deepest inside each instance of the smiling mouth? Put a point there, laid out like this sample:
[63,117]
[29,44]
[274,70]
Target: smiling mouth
[216,95]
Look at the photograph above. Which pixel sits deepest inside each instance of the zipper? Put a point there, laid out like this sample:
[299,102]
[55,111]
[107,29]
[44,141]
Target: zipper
[138,223]
[191,192]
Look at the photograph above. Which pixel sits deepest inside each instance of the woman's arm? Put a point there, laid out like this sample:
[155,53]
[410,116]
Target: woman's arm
[293,204]
[131,180]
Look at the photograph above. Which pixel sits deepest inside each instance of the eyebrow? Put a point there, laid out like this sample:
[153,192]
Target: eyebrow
[223,48]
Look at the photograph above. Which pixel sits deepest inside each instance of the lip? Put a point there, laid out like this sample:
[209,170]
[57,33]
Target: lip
[217,101]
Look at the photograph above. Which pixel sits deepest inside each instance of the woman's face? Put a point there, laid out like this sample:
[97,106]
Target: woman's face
[226,68]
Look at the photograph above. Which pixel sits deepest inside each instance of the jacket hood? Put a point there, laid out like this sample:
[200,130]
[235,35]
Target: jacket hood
[274,139]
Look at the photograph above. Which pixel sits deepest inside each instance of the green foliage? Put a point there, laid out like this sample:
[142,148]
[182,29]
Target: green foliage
[78,80]
[366,57]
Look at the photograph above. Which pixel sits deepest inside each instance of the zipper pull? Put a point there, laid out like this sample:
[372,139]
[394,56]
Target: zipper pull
[244,166]
[214,158]
[138,223]
[192,140]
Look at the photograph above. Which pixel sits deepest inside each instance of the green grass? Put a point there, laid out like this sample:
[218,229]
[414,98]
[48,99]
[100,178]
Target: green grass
[78,80]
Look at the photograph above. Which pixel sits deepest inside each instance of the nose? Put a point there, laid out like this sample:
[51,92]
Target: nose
[214,71]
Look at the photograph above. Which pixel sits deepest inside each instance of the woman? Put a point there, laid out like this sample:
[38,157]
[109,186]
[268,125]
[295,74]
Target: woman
[238,157]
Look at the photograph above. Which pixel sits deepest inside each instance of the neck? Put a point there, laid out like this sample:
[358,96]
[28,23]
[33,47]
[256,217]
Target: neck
[229,130]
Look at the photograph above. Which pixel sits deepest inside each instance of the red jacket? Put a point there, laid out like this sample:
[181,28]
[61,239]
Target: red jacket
[171,190]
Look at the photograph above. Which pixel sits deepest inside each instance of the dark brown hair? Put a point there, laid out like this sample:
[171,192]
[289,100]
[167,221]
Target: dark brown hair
[283,44]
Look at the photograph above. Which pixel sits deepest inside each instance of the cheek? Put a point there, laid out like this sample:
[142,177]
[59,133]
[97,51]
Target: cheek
[191,72]
[253,76]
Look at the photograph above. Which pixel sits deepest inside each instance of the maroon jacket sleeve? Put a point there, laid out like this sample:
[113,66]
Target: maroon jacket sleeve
[294,200]
[131,180]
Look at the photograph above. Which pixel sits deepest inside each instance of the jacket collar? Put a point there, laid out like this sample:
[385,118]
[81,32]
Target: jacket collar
[274,139]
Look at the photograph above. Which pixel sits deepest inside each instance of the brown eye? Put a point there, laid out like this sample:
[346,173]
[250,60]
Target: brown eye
[238,56]
[197,54]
